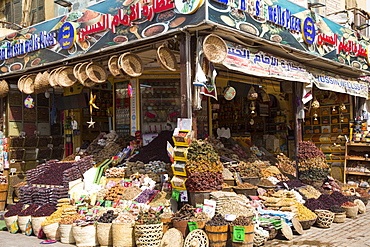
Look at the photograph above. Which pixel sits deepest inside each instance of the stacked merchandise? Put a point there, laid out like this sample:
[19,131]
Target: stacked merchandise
[49,182]
[41,195]
[180,153]
[203,167]
[312,165]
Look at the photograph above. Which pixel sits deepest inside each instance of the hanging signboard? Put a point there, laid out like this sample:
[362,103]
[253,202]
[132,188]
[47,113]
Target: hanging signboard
[340,85]
[258,63]
[286,23]
[103,25]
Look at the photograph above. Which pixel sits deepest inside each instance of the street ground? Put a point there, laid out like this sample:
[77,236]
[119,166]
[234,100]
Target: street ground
[351,233]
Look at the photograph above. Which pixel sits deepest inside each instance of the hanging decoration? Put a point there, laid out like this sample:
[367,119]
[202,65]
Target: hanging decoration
[229,93]
[92,105]
[129,89]
[29,102]
[315,104]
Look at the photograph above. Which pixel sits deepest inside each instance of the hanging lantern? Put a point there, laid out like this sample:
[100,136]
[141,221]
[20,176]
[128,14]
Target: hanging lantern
[252,107]
[315,104]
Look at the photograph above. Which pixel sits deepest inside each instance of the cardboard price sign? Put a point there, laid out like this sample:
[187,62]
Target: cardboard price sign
[238,234]
[192,226]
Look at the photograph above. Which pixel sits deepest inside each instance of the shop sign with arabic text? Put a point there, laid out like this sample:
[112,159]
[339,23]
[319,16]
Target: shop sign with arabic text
[284,22]
[258,63]
[105,24]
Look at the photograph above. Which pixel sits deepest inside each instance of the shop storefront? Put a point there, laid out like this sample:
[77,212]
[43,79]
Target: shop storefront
[273,88]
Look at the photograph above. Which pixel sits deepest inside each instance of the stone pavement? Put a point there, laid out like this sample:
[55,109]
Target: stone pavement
[351,233]
[19,240]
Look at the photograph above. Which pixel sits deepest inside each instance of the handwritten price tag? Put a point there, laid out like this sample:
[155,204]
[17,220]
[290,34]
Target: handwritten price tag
[192,226]
[238,234]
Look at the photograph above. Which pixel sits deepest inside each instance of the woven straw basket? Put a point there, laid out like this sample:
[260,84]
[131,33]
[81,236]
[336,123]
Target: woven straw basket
[324,218]
[4,88]
[214,48]
[28,86]
[83,77]
[21,82]
[37,84]
[148,235]
[65,77]
[131,64]
[173,238]
[166,58]
[41,83]
[113,66]
[53,78]
[75,71]
[96,72]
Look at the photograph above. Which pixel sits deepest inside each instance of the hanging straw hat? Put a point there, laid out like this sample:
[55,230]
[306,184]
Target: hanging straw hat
[214,48]
[21,82]
[166,58]
[131,64]
[65,77]
[96,72]
[82,75]
[4,88]
[29,86]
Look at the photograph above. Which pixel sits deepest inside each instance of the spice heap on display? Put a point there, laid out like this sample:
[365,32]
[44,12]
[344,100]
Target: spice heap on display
[232,203]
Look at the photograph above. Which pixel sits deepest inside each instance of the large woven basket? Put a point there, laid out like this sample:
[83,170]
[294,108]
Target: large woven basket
[324,218]
[38,87]
[53,78]
[148,235]
[4,88]
[29,87]
[75,71]
[21,82]
[65,77]
[114,69]
[83,77]
[96,72]
[214,48]
[131,64]
[166,58]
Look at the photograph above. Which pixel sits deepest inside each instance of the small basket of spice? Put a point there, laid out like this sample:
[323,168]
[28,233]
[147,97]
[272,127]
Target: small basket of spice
[339,214]
[351,209]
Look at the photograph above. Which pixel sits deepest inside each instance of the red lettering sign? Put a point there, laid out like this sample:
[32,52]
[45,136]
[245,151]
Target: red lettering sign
[137,11]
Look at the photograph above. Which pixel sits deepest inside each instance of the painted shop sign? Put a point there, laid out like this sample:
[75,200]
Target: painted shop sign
[349,47]
[105,24]
[258,63]
[284,22]
[137,11]
[36,42]
[341,85]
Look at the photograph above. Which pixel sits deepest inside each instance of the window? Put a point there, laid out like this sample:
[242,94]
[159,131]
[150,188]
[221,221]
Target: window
[13,11]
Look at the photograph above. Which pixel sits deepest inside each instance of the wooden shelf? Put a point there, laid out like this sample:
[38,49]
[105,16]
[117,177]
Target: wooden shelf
[357,159]
[360,144]
[358,173]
